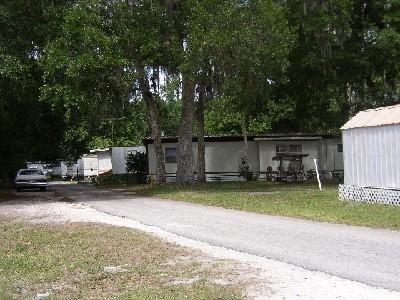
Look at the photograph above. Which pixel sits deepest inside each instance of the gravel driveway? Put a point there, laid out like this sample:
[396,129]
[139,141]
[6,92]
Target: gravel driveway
[365,255]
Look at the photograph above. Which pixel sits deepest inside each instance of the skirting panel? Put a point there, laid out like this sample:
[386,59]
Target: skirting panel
[368,194]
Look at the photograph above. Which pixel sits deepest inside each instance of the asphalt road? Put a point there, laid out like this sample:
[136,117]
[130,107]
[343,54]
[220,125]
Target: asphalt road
[366,255]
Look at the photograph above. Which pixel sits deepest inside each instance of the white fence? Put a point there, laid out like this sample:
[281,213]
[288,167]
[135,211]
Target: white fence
[368,194]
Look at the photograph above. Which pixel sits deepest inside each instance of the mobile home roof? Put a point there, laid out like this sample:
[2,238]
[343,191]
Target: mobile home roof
[251,137]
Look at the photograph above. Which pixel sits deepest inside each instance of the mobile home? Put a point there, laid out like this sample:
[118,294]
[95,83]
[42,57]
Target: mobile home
[222,154]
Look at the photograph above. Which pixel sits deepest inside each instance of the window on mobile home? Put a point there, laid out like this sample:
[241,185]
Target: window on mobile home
[134,152]
[295,148]
[281,148]
[170,155]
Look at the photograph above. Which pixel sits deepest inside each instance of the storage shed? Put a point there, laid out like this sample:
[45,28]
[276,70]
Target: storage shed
[371,154]
[103,160]
[114,158]
[119,156]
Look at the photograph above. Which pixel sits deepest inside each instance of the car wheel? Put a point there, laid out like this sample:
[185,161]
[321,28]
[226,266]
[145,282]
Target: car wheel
[42,189]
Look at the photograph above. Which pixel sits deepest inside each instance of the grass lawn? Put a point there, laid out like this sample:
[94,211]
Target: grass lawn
[69,260]
[292,200]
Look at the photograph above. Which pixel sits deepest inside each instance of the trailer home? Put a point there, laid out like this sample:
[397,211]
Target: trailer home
[222,154]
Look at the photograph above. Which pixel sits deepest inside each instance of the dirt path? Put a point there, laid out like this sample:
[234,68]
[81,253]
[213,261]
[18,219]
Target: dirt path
[266,278]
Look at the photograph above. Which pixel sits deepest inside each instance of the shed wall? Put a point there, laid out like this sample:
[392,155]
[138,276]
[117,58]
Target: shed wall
[372,156]
[119,155]
[104,161]
[89,166]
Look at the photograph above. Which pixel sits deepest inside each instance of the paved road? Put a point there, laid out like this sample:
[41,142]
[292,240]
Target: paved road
[371,256]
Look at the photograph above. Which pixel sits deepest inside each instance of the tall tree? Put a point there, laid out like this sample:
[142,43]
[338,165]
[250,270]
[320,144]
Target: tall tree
[29,129]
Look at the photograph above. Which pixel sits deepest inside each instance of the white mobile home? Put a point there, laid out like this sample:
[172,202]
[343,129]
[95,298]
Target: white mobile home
[71,169]
[60,168]
[371,148]
[222,154]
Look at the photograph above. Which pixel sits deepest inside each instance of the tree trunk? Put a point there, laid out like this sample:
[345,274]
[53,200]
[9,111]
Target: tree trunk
[201,148]
[185,160]
[154,116]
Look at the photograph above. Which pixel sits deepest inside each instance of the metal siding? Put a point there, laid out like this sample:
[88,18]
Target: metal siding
[374,144]
[394,170]
[362,159]
[347,148]
[354,156]
[385,158]
[118,157]
[397,157]
[389,145]
[224,156]
[372,156]
[345,164]
[368,159]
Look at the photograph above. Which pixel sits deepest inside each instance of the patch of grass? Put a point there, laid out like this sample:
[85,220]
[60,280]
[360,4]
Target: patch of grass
[68,261]
[292,200]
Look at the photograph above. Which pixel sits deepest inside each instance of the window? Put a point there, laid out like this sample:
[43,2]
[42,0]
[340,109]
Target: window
[339,147]
[281,148]
[170,155]
[134,152]
[31,172]
[295,148]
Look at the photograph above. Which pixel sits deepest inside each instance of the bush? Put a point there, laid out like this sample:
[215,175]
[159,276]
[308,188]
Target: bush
[244,169]
[116,179]
[136,167]
[109,179]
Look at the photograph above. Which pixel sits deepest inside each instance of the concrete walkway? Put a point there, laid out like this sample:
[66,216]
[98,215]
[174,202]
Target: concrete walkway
[370,256]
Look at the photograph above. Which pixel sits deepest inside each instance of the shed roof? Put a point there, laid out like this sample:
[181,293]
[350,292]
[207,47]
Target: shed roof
[388,115]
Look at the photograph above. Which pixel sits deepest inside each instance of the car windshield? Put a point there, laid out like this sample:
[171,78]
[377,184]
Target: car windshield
[30,172]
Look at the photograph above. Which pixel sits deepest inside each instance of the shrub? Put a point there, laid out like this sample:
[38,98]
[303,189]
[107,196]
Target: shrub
[244,169]
[136,166]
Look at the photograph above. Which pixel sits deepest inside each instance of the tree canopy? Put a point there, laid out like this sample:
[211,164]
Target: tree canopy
[77,74]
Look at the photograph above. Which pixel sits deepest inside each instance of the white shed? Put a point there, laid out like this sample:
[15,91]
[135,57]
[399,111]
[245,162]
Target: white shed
[88,166]
[119,156]
[371,154]
[114,158]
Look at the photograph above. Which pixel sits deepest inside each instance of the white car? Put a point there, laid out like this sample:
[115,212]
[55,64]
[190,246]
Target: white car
[30,179]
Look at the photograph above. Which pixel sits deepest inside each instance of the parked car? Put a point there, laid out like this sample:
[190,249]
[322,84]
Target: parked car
[30,179]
